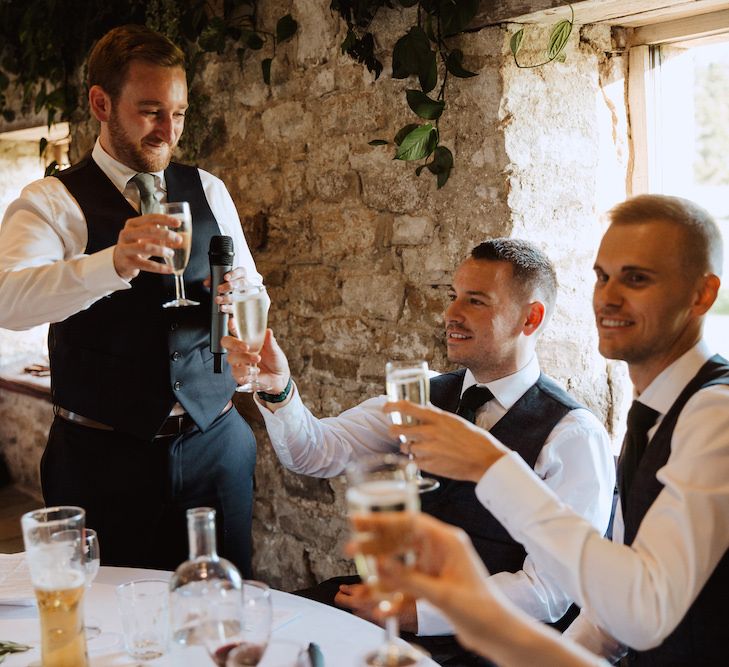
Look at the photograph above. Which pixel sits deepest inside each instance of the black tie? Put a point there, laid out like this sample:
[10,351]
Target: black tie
[473,398]
[640,420]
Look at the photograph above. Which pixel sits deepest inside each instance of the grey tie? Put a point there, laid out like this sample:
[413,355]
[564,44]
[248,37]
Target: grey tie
[145,183]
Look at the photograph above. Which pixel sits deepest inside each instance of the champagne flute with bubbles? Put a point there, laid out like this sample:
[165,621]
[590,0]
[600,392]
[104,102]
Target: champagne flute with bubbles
[384,484]
[181,255]
[250,310]
[409,381]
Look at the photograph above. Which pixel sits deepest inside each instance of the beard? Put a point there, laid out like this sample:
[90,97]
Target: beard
[134,155]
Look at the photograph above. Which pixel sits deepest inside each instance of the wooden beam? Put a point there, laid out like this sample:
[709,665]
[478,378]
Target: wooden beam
[617,12]
[695,27]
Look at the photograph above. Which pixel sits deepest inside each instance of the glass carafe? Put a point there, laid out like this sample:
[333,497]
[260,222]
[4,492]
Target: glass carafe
[205,591]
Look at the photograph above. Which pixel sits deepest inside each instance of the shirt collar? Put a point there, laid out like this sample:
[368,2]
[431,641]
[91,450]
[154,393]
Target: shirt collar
[117,172]
[508,390]
[662,393]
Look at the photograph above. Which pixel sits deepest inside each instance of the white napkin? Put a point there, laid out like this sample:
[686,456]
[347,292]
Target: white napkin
[16,588]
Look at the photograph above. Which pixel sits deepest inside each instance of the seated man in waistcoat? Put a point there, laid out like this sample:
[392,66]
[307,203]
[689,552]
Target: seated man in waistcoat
[500,300]
[658,590]
[143,429]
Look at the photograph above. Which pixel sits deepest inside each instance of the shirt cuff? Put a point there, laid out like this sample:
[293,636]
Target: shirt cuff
[286,419]
[99,275]
[431,621]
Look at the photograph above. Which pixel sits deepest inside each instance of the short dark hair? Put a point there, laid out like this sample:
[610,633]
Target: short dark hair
[111,56]
[533,272]
[703,250]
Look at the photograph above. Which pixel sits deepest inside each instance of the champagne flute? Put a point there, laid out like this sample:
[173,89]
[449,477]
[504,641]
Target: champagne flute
[92,561]
[409,381]
[250,310]
[181,255]
[257,621]
[383,484]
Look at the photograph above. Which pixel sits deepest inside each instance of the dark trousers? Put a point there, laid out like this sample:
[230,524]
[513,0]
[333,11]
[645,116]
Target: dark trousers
[135,492]
[445,650]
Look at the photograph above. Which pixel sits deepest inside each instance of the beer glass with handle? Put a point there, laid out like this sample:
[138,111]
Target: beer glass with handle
[53,540]
[409,381]
[383,484]
[250,311]
[181,255]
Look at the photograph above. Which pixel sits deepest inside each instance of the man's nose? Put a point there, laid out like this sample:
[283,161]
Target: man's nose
[608,293]
[165,128]
[453,312]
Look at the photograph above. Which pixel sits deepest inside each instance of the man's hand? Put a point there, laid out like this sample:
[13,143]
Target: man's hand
[145,236]
[272,362]
[445,444]
[358,599]
[234,279]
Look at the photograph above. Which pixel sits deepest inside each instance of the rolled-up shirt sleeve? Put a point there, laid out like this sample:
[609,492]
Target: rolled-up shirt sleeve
[323,447]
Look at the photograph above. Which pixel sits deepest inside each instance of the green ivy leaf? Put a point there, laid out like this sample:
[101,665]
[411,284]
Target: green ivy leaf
[424,106]
[252,39]
[418,144]
[42,145]
[455,16]
[404,131]
[558,39]
[412,55]
[266,69]
[378,142]
[9,115]
[286,28]
[212,38]
[516,39]
[419,170]
[441,165]
[454,66]
[349,41]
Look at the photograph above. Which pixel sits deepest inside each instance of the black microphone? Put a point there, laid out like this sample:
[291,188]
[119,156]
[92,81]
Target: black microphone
[221,261]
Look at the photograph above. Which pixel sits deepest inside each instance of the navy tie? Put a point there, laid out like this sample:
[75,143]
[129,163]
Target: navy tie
[640,420]
[473,398]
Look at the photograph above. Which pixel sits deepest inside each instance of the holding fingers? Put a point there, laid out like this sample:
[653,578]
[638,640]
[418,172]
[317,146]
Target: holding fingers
[145,236]
[446,444]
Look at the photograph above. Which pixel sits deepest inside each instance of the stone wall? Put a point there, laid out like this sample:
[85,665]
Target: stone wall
[357,251]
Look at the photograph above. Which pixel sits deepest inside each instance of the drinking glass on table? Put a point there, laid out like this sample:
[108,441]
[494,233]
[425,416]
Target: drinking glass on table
[256,630]
[384,484]
[409,381]
[250,310]
[92,561]
[181,255]
[53,548]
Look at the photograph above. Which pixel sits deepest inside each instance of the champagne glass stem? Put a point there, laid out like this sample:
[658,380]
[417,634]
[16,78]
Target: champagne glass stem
[392,632]
[178,280]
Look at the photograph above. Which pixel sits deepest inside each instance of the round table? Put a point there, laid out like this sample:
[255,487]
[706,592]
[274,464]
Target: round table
[342,637]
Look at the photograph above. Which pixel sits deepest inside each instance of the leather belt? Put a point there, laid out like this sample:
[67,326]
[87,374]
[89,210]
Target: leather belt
[172,426]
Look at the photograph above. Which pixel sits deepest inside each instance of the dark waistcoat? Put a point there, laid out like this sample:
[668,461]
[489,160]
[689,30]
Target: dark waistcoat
[700,639]
[524,428]
[125,360]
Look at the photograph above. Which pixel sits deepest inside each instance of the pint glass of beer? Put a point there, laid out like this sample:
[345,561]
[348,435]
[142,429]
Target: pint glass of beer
[53,545]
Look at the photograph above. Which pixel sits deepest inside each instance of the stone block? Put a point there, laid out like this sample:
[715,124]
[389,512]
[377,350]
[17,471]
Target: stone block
[412,230]
[287,121]
[381,297]
[340,367]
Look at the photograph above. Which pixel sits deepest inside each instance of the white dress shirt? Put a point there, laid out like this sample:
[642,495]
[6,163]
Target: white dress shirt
[637,594]
[575,463]
[45,273]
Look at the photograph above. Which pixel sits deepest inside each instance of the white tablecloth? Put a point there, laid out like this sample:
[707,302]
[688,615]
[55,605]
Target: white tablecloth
[342,637]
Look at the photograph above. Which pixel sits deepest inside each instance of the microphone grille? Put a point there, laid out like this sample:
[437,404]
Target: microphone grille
[221,245]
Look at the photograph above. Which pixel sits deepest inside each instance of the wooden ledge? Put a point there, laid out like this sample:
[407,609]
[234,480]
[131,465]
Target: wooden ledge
[14,379]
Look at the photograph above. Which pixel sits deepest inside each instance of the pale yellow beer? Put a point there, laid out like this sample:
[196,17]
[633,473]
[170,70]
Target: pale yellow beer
[63,643]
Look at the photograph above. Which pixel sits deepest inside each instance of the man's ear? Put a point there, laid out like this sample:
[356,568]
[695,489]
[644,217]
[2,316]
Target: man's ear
[534,318]
[706,293]
[100,104]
